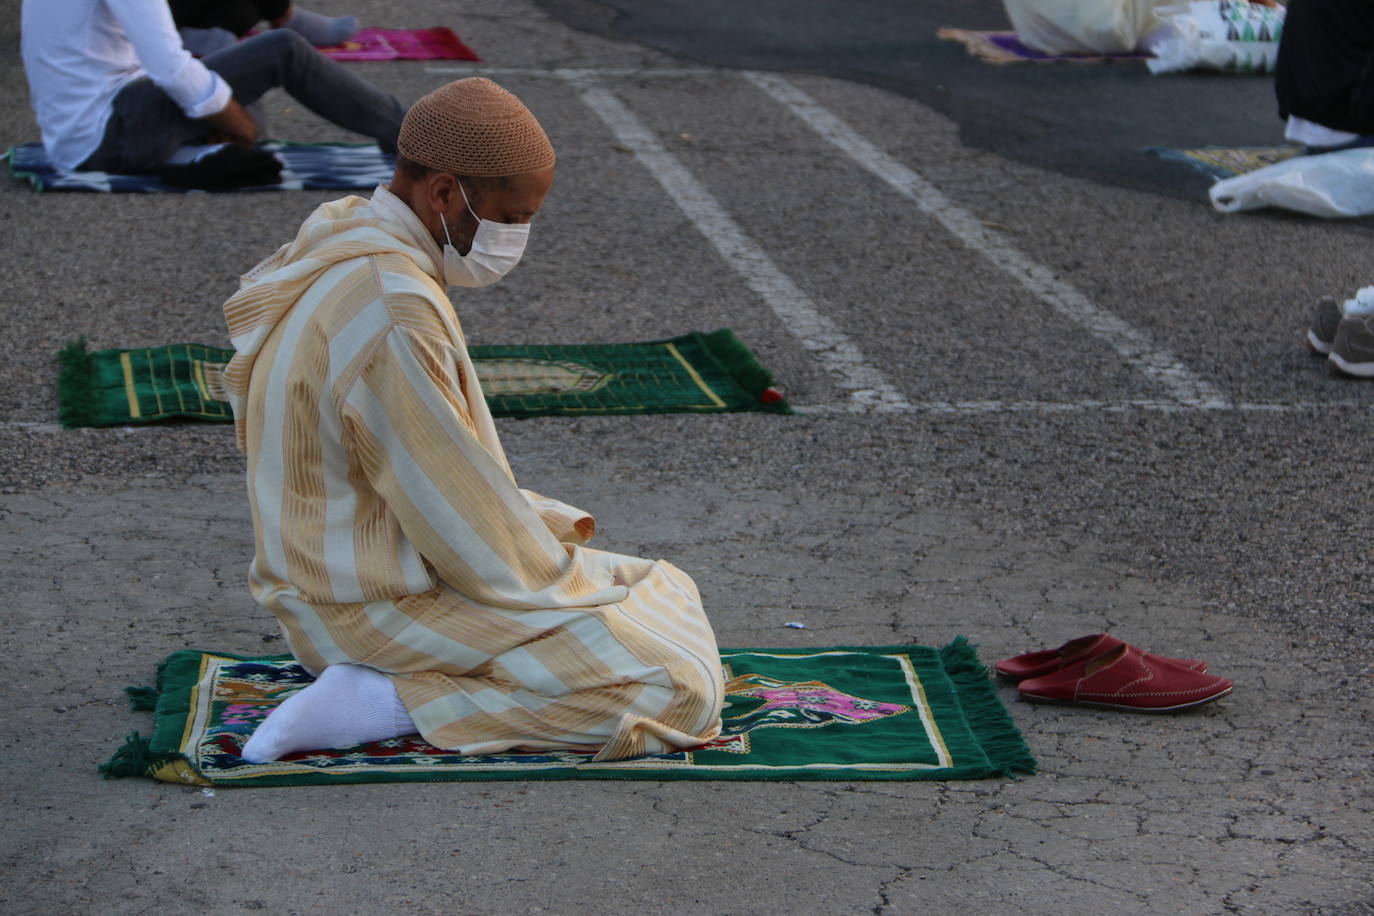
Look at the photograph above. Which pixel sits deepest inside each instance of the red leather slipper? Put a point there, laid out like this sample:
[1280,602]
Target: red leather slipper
[1127,678]
[1046,661]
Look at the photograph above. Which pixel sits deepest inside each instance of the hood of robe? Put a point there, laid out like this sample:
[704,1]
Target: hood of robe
[340,230]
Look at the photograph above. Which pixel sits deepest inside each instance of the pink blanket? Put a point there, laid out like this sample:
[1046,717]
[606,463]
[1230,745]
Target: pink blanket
[402,44]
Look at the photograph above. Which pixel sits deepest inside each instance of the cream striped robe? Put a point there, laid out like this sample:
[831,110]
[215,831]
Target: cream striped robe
[391,533]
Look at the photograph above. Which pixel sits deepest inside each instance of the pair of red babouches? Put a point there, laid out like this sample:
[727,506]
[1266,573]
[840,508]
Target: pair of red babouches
[1101,670]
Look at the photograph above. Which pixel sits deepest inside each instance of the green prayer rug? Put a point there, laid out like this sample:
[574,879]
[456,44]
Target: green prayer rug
[840,714]
[695,373]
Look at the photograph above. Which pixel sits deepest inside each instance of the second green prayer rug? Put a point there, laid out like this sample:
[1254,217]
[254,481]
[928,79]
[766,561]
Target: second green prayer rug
[842,714]
[694,373]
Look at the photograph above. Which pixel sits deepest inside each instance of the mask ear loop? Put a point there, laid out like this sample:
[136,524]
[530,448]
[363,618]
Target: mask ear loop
[468,205]
[448,238]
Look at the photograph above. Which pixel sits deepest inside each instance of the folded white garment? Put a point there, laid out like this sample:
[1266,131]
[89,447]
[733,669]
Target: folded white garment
[1083,26]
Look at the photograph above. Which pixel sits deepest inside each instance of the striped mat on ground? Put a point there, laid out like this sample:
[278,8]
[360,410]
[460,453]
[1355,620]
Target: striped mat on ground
[694,373]
[402,44]
[305,167]
[839,714]
[1226,161]
[1006,48]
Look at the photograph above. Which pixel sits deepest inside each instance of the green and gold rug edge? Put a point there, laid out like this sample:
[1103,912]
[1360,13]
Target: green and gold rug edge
[739,361]
[737,382]
[75,385]
[985,712]
[997,749]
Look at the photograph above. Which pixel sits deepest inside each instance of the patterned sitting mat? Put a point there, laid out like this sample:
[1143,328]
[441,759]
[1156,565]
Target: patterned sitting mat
[695,373]
[844,714]
[305,167]
[1006,48]
[1226,161]
[402,44]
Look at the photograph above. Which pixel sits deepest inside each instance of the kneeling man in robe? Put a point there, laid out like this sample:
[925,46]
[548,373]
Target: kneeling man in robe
[425,590]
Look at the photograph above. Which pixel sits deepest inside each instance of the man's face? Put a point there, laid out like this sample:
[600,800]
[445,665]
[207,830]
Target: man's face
[507,200]
[519,199]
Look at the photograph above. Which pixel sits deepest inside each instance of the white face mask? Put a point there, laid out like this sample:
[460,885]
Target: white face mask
[496,248]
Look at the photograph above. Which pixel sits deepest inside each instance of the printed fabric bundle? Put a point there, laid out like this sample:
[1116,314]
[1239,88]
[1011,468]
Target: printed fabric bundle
[1232,35]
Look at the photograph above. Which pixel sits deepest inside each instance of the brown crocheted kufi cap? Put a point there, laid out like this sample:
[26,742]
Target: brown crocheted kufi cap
[474,127]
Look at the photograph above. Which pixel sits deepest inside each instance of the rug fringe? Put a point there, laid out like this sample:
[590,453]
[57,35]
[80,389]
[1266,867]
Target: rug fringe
[740,362]
[18,174]
[1001,740]
[135,758]
[979,46]
[142,699]
[76,385]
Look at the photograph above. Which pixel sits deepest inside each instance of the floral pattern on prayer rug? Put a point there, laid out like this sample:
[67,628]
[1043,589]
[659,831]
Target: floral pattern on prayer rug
[1227,161]
[847,713]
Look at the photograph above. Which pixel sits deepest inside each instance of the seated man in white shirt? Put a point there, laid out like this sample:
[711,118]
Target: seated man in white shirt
[115,91]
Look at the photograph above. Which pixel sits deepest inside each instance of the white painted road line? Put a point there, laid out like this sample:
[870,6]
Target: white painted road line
[865,385]
[1134,346]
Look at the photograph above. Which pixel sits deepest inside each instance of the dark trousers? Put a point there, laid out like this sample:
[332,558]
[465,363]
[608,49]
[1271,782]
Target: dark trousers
[237,16]
[1325,70]
[146,125]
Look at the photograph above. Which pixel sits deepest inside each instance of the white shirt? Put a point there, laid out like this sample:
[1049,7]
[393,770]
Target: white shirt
[78,54]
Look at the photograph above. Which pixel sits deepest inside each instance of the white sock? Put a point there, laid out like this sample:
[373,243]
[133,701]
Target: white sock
[347,705]
[319,29]
[1361,304]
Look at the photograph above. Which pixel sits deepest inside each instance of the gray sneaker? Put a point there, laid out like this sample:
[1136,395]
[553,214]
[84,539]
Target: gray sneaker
[1352,351]
[1323,329]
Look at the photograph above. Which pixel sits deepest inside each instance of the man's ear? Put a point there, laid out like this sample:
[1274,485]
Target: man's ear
[442,192]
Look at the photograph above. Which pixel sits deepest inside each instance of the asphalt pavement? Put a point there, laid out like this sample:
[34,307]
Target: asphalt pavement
[1066,117]
[1035,401]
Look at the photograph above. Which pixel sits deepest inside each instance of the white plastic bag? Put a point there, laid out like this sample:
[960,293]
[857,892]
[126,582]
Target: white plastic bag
[1217,35]
[1082,26]
[1333,185]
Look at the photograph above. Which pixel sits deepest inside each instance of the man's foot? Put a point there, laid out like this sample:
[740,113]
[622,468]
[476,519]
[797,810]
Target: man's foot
[321,31]
[1323,330]
[1352,349]
[347,705]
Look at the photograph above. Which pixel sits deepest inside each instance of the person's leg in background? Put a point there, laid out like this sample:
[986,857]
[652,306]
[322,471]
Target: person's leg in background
[316,28]
[236,16]
[207,26]
[282,58]
[239,17]
[147,126]
[1324,78]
